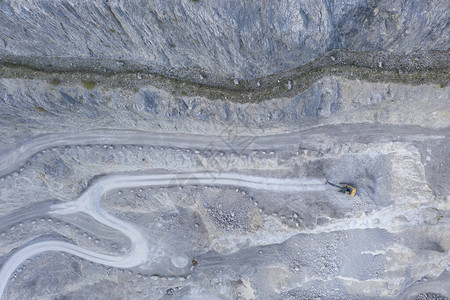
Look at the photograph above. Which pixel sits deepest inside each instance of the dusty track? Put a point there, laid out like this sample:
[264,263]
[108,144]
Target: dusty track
[89,203]
[312,138]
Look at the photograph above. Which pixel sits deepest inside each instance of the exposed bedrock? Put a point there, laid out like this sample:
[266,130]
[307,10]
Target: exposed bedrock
[222,39]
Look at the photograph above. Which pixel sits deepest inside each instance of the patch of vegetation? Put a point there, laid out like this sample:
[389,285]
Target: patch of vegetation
[254,90]
[89,84]
[55,81]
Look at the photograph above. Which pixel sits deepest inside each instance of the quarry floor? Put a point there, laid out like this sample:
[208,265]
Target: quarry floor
[115,193]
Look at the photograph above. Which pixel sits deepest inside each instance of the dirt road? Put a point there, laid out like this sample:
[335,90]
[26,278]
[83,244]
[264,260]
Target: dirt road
[313,138]
[89,201]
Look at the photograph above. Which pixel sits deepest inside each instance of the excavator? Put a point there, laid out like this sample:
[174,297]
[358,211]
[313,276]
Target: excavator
[345,188]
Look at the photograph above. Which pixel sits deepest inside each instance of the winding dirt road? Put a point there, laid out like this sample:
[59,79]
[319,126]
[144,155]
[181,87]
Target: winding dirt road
[89,203]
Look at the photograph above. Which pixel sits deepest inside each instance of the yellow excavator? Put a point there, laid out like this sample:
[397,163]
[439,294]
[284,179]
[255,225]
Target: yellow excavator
[345,188]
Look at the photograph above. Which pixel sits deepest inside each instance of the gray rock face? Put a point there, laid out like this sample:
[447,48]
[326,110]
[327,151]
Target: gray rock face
[180,149]
[226,38]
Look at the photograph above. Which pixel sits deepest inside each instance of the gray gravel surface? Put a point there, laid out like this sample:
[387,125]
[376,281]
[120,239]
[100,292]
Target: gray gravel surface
[180,149]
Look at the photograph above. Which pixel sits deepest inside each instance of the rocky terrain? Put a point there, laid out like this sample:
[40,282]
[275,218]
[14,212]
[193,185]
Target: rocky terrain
[181,149]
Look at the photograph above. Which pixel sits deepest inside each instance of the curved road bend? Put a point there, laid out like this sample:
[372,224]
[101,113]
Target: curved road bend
[89,203]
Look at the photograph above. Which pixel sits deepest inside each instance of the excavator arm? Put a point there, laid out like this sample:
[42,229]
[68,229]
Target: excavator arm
[346,188]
